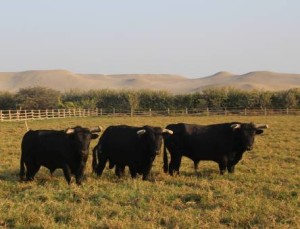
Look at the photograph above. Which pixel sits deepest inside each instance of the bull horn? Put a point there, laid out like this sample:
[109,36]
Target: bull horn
[235,126]
[96,129]
[167,131]
[69,131]
[140,132]
[261,126]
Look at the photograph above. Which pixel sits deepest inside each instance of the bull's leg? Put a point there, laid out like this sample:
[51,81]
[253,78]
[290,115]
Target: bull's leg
[222,168]
[80,172]
[223,164]
[230,168]
[67,173]
[119,170]
[147,169]
[101,165]
[175,164]
[146,175]
[133,171]
[196,163]
[51,172]
[32,169]
[111,164]
[231,164]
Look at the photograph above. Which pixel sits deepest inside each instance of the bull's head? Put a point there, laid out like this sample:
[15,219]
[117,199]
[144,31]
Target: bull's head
[153,137]
[246,133]
[83,136]
[81,139]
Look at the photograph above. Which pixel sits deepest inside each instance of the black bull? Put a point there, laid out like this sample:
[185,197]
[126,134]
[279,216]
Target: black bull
[55,149]
[135,147]
[223,143]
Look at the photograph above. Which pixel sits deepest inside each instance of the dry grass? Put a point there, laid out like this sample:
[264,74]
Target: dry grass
[263,193]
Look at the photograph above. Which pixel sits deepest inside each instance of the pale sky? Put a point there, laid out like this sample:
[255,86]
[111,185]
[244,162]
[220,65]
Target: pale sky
[193,38]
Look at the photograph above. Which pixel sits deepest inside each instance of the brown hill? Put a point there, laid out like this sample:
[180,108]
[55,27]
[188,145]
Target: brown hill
[64,80]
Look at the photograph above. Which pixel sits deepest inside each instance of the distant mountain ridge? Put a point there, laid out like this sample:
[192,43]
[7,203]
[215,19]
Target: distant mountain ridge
[64,80]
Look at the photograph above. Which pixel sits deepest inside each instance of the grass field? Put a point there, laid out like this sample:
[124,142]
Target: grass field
[263,192]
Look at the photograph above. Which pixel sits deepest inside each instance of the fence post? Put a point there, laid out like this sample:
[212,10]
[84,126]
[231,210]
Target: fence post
[168,111]
[150,112]
[25,112]
[1,117]
[18,115]
[131,112]
[265,111]
[114,111]
[9,114]
[101,112]
[287,111]
[186,111]
[245,111]
[207,111]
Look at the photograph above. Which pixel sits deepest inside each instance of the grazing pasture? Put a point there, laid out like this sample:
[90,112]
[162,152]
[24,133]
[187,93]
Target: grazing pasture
[263,191]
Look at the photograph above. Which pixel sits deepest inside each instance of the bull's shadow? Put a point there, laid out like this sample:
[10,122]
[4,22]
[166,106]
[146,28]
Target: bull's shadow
[109,174]
[42,177]
[207,173]
[10,175]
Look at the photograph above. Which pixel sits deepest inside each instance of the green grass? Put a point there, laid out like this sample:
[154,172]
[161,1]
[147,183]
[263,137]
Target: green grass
[263,192]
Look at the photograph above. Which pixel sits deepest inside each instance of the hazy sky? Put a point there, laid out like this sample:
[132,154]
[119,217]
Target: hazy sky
[193,38]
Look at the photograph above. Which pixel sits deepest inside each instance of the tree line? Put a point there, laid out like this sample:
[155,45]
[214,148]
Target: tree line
[47,98]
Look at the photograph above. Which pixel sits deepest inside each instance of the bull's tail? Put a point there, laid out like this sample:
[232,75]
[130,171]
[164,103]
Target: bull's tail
[166,166]
[22,167]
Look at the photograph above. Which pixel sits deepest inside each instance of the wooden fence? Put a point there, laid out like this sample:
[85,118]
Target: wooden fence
[15,115]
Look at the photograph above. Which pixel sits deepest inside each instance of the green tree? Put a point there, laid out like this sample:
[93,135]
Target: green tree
[7,101]
[37,98]
[290,98]
[265,99]
[215,97]
[237,98]
[156,100]
[133,98]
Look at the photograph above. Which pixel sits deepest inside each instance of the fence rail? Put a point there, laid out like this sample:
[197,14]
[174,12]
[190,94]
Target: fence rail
[15,115]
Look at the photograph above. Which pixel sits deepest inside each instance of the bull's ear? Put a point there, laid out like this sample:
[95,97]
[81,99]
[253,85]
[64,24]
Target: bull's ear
[141,132]
[94,136]
[259,131]
[69,131]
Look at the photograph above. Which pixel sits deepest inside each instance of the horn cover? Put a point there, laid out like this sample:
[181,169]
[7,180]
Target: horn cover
[96,129]
[167,131]
[235,126]
[140,132]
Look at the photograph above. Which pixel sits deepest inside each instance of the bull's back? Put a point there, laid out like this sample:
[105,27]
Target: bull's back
[202,141]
